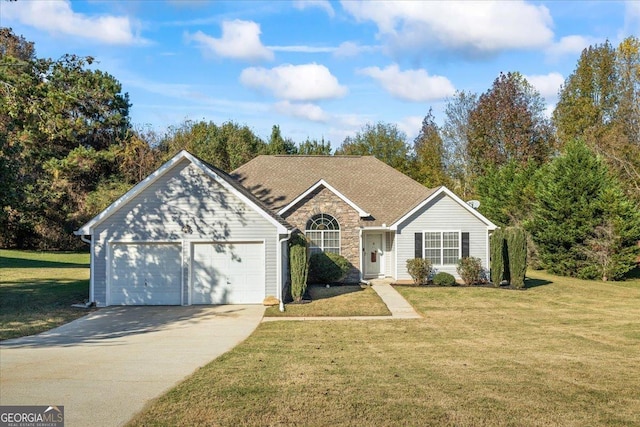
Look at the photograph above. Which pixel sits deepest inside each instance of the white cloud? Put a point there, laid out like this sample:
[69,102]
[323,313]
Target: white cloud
[547,84]
[476,28]
[631,18]
[410,85]
[347,49]
[569,45]
[240,40]
[303,49]
[411,126]
[57,17]
[321,4]
[302,110]
[307,82]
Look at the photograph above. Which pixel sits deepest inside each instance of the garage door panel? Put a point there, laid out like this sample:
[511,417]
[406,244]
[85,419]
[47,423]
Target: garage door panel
[228,273]
[146,274]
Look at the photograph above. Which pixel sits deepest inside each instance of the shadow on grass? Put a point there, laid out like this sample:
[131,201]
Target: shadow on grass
[319,292]
[7,262]
[41,294]
[534,283]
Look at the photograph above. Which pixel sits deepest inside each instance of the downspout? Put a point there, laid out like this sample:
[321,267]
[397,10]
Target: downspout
[90,243]
[360,255]
[280,296]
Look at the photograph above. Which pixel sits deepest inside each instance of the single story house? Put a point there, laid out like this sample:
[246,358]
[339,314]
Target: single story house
[190,233]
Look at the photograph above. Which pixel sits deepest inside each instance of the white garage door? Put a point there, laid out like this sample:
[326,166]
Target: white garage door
[228,273]
[145,274]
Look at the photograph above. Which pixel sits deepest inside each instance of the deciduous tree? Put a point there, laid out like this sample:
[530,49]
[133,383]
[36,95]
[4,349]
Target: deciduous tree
[509,123]
[226,147]
[382,140]
[455,137]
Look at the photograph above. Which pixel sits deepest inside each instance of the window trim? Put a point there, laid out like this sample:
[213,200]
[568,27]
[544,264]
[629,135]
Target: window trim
[442,248]
[322,245]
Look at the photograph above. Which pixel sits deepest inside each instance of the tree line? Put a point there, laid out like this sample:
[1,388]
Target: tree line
[68,149]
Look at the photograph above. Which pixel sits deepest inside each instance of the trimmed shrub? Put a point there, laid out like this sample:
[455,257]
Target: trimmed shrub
[444,279]
[327,267]
[517,250]
[419,269]
[298,266]
[498,250]
[470,270]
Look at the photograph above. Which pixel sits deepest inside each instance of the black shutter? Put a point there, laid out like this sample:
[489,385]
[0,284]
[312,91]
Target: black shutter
[418,245]
[465,245]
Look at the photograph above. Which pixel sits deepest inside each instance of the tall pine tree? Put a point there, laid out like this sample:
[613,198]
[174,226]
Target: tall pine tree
[576,196]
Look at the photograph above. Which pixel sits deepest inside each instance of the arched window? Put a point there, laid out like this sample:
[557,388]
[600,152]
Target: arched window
[323,232]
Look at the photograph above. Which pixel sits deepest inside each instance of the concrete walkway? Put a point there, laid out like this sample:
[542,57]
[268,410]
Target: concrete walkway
[103,368]
[397,305]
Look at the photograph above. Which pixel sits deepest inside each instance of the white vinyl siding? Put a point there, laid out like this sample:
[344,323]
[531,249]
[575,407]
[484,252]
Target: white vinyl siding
[443,215]
[389,253]
[185,195]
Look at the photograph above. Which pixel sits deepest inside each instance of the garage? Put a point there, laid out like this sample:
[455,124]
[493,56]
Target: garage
[227,273]
[187,234]
[145,274]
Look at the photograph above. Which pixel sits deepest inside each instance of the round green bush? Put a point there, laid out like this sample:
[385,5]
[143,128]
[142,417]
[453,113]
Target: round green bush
[327,267]
[444,279]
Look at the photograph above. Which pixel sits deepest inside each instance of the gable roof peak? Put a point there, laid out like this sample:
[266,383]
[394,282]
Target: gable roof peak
[213,172]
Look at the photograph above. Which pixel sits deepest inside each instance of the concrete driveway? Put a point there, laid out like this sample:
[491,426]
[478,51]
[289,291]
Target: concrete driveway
[105,366]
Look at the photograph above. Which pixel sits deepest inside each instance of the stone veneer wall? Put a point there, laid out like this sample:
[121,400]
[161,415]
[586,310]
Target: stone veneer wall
[326,202]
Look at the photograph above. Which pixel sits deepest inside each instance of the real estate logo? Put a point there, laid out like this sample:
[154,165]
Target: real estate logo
[31,416]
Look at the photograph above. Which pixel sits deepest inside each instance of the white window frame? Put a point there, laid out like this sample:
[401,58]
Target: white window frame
[322,247]
[442,248]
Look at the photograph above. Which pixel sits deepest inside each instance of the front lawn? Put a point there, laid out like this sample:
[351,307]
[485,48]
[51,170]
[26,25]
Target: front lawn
[343,300]
[38,288]
[565,352]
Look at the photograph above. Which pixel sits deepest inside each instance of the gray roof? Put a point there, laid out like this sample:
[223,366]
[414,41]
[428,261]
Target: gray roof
[368,182]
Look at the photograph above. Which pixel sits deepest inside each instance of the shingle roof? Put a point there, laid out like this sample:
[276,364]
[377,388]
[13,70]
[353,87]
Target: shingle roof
[371,184]
[231,181]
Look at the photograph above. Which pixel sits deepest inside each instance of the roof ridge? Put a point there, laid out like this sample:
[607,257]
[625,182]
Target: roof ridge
[315,156]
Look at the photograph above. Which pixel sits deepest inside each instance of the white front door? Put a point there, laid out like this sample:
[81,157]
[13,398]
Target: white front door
[373,255]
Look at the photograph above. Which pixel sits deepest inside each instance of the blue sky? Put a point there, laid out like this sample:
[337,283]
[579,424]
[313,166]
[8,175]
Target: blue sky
[317,68]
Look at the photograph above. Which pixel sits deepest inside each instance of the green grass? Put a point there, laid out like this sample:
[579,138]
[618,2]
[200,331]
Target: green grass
[563,353]
[38,288]
[344,300]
